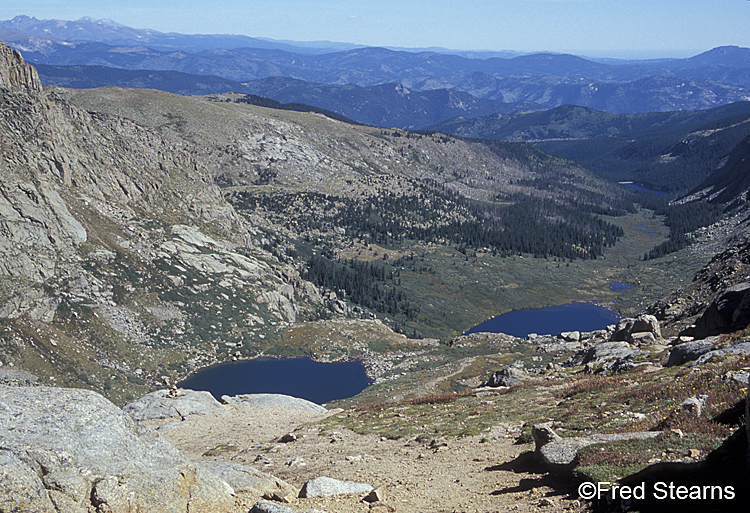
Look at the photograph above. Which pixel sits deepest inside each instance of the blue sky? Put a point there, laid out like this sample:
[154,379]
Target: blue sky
[624,28]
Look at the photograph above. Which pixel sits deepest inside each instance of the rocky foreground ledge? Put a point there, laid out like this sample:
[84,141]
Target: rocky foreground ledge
[66,450]
[73,451]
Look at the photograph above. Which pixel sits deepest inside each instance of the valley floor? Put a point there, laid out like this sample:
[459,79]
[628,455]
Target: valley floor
[487,473]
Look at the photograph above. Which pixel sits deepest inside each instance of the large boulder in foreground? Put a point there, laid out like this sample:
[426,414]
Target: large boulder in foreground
[635,329]
[558,453]
[70,450]
[727,313]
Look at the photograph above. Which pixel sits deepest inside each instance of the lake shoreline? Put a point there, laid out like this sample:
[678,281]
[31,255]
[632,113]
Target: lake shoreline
[603,315]
[301,376]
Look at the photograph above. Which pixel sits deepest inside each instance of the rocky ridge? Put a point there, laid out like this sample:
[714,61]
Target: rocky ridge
[108,230]
[16,74]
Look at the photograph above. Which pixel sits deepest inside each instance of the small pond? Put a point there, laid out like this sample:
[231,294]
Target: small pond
[619,286]
[298,377]
[550,320]
[642,188]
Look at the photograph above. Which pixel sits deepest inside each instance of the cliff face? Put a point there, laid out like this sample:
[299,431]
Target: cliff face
[58,159]
[36,226]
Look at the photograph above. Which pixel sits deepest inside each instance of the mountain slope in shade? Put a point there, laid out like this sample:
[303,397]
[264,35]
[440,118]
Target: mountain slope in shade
[670,151]
[88,77]
[573,122]
[730,183]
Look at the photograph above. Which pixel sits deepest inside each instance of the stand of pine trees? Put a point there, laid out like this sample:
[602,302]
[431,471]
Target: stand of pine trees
[365,283]
[541,227]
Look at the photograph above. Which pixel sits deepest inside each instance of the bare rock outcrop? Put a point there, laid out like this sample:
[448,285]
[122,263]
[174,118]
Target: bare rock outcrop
[727,313]
[71,450]
[558,452]
[165,404]
[688,352]
[15,73]
[699,352]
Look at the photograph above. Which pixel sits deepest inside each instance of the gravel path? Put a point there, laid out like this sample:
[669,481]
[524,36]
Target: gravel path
[464,475]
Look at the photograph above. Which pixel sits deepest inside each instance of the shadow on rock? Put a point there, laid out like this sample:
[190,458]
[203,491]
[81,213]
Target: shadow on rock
[526,462]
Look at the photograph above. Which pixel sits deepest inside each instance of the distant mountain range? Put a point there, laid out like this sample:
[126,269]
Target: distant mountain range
[396,105]
[372,66]
[104,43]
[470,94]
[113,33]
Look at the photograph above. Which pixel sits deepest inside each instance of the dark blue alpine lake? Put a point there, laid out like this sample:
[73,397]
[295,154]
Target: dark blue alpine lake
[550,320]
[298,377]
[324,382]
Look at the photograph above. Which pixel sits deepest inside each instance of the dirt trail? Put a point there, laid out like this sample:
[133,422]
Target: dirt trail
[473,474]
